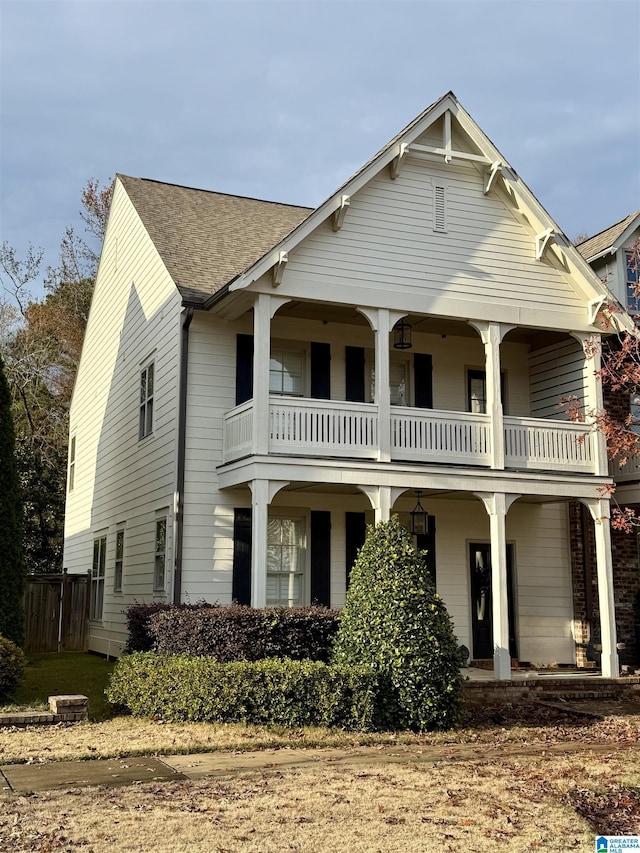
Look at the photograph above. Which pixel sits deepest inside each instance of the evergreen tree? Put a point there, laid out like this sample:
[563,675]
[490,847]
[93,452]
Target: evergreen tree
[395,623]
[12,571]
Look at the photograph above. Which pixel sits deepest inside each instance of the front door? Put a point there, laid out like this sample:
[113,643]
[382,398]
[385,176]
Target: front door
[481,601]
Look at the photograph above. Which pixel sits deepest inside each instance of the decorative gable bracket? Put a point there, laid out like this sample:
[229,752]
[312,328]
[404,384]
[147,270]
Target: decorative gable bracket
[543,240]
[278,269]
[594,307]
[398,162]
[337,218]
[491,175]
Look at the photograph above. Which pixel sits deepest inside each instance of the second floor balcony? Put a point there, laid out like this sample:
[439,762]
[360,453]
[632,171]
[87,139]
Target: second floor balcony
[324,428]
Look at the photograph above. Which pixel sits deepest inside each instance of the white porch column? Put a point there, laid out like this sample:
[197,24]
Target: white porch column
[261,356]
[497,505]
[492,335]
[259,510]
[264,308]
[600,512]
[382,320]
[592,348]
[382,392]
[382,499]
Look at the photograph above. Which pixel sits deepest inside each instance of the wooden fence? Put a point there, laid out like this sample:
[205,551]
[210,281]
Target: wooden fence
[56,609]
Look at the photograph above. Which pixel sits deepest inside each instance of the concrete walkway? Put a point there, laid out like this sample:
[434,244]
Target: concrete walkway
[25,778]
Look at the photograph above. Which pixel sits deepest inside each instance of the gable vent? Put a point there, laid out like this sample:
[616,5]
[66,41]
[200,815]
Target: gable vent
[439,208]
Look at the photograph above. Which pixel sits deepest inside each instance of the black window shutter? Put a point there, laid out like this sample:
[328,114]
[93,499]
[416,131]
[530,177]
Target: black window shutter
[320,557]
[354,373]
[321,371]
[244,368]
[355,534]
[423,380]
[427,542]
[241,589]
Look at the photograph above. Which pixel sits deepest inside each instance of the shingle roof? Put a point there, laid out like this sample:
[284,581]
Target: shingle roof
[593,246]
[204,238]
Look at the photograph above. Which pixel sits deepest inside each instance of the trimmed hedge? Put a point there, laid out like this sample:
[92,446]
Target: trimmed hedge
[395,623]
[269,692]
[12,664]
[244,633]
[140,638]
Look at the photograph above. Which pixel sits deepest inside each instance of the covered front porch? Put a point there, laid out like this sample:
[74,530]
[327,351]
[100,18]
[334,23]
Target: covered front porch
[499,549]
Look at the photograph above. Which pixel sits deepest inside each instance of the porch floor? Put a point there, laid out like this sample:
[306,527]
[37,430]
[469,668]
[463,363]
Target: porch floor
[481,688]
[475,673]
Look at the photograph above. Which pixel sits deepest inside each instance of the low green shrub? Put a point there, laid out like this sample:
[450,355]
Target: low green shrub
[395,623]
[267,692]
[12,664]
[245,633]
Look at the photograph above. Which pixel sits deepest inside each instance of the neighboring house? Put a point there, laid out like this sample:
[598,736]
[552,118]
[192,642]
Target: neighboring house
[611,255]
[260,381]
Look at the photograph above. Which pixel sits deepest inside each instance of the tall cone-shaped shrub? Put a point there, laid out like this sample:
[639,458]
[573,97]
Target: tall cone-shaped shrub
[395,623]
[12,572]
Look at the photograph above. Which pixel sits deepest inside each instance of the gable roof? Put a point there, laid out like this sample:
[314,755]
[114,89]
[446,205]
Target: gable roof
[525,204]
[606,241]
[206,238]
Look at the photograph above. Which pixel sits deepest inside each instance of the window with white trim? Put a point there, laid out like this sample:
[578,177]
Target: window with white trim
[160,555]
[146,401]
[399,381]
[287,371]
[119,562]
[286,558]
[72,463]
[97,578]
[633,279]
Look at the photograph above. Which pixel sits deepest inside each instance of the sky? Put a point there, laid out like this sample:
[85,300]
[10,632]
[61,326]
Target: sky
[285,100]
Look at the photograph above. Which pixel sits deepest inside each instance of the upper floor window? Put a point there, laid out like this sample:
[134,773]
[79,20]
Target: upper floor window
[119,562]
[160,555]
[97,577]
[146,401]
[633,277]
[477,392]
[286,372]
[72,463]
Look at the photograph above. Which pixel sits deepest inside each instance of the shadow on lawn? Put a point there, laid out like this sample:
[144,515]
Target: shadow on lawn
[68,672]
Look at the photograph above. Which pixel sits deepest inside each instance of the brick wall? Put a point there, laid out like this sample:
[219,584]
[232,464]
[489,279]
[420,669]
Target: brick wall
[626,582]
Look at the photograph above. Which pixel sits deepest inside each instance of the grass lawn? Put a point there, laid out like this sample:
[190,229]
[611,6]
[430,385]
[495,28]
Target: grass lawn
[70,672]
[525,803]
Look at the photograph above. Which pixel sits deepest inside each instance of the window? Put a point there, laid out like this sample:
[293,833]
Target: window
[72,463]
[160,555]
[634,408]
[146,401]
[398,384]
[633,277]
[286,372]
[477,392]
[97,578]
[398,380]
[285,562]
[117,569]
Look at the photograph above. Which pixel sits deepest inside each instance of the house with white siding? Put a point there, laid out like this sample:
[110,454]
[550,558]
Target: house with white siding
[260,381]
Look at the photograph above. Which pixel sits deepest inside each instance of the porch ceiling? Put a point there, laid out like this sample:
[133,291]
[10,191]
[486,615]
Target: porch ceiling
[328,312]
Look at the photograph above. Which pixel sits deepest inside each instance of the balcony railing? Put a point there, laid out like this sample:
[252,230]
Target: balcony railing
[629,471]
[426,435]
[547,445]
[314,428]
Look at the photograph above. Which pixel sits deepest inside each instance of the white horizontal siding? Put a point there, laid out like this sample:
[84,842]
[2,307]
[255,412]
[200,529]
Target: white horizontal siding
[388,251]
[556,372]
[134,319]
